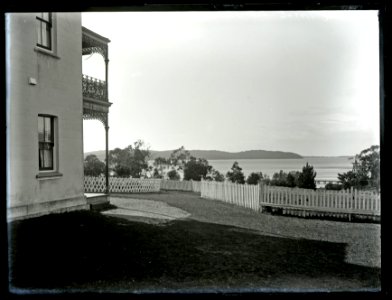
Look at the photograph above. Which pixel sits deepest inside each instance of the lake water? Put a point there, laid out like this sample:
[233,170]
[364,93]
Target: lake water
[327,168]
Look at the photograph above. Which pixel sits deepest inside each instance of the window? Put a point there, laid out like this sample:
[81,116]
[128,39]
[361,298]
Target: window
[44,30]
[46,142]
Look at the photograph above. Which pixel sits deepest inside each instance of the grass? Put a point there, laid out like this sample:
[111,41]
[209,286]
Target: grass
[91,252]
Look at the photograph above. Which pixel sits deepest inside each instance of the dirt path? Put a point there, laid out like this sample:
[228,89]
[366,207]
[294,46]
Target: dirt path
[362,239]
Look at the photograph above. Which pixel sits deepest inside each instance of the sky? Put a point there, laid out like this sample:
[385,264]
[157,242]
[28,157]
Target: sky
[304,82]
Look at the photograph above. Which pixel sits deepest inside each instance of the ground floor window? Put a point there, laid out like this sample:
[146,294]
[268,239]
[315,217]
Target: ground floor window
[46,142]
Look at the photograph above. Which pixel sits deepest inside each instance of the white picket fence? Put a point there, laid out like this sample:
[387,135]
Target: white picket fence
[345,201]
[255,197]
[121,185]
[238,194]
[184,185]
[137,185]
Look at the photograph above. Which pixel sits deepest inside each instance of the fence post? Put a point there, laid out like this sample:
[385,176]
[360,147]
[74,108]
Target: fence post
[261,195]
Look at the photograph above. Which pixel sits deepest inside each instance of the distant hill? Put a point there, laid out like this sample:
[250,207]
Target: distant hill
[215,154]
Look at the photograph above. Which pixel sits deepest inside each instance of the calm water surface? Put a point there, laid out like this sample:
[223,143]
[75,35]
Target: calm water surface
[327,168]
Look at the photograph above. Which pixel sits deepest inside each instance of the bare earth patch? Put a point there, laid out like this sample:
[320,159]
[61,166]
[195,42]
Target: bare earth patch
[148,211]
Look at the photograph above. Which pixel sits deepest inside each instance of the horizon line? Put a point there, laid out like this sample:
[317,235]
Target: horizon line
[308,155]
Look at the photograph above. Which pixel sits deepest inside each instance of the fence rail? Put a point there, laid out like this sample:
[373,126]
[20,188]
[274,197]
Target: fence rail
[184,185]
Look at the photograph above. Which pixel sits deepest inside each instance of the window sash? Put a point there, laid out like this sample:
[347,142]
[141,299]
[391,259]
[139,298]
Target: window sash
[46,157]
[46,142]
[44,30]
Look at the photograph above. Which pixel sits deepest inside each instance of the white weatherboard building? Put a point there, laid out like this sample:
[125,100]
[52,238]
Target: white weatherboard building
[47,100]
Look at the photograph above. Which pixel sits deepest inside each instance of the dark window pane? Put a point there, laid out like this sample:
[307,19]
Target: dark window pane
[47,36]
[41,159]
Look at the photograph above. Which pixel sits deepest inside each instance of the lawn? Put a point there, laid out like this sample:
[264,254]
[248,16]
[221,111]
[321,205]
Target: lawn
[86,251]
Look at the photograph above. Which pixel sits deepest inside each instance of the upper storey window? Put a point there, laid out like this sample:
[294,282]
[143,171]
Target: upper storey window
[44,30]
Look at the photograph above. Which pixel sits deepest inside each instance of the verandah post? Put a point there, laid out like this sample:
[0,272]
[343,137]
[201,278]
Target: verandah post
[107,156]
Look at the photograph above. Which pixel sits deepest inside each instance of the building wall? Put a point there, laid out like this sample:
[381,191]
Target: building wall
[58,92]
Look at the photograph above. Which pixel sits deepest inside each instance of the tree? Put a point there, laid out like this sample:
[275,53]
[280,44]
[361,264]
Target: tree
[93,166]
[292,179]
[348,179]
[179,157]
[173,175]
[160,165]
[130,161]
[365,172]
[279,179]
[196,169]
[306,178]
[285,179]
[254,178]
[215,175]
[236,174]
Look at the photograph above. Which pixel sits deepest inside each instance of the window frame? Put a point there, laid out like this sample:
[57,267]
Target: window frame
[51,143]
[49,30]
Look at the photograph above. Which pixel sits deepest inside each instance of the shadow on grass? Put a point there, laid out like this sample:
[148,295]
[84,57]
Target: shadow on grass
[88,250]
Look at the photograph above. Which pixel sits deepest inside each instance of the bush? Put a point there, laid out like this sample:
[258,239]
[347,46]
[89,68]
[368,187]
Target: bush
[173,175]
[254,178]
[333,186]
[196,169]
[215,175]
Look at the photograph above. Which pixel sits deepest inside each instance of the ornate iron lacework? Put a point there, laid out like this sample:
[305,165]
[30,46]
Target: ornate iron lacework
[94,88]
[89,114]
[91,45]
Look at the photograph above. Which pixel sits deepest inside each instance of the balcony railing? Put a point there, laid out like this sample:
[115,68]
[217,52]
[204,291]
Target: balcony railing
[94,88]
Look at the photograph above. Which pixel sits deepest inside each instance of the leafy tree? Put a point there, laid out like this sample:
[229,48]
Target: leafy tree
[266,180]
[195,169]
[279,179]
[173,175]
[254,178]
[369,164]
[365,172]
[348,179]
[160,165]
[306,178]
[236,175]
[93,166]
[215,175]
[179,157]
[130,161]
[292,179]
[285,179]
